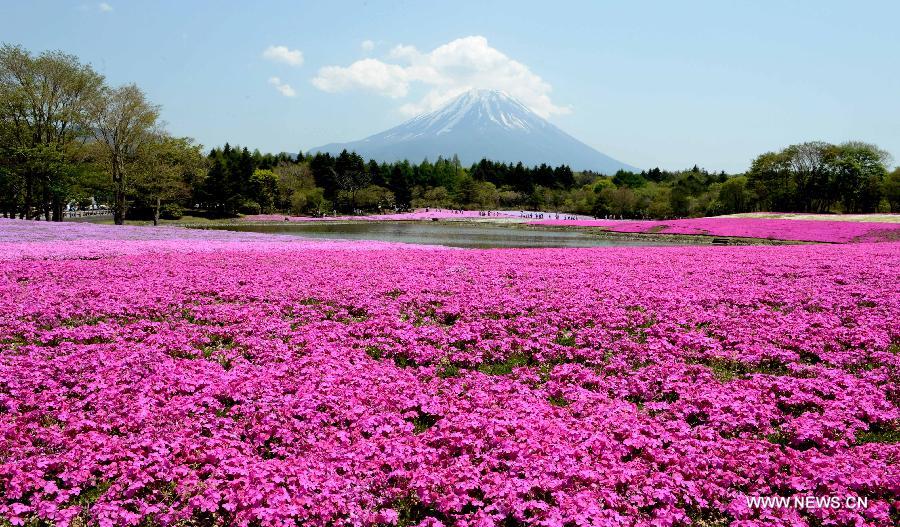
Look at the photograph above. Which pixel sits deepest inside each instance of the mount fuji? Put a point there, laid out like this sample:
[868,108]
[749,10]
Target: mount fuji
[481,124]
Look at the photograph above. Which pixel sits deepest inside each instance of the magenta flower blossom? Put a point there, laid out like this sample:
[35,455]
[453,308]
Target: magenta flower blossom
[776,229]
[418,214]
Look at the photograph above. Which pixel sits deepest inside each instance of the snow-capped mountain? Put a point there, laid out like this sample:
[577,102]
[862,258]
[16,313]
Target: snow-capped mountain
[481,124]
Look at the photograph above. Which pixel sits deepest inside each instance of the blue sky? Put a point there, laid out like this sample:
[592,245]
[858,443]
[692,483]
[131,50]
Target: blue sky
[664,84]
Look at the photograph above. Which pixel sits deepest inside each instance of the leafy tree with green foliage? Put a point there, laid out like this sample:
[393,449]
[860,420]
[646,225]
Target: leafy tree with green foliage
[624,178]
[122,122]
[399,183]
[310,201]
[891,190]
[264,189]
[621,202]
[375,198]
[435,197]
[859,174]
[485,195]
[323,170]
[771,180]
[811,171]
[167,169]
[44,102]
[214,193]
[660,203]
[814,177]
[292,176]
[734,195]
[12,187]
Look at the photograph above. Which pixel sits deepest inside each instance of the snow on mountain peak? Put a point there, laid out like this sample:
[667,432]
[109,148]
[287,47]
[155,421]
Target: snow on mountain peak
[481,123]
[484,107]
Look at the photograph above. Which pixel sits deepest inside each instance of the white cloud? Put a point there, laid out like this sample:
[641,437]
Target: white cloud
[367,46]
[293,57]
[283,87]
[104,7]
[386,79]
[447,70]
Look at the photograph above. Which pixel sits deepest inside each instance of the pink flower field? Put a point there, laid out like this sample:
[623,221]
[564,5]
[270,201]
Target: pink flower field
[42,240]
[198,378]
[775,229]
[418,214]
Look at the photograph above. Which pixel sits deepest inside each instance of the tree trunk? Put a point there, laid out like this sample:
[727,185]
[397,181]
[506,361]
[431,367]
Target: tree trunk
[119,184]
[57,207]
[29,197]
[119,208]
[45,196]
[156,212]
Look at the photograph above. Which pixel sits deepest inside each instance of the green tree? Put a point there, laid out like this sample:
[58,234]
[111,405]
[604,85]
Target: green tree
[324,173]
[44,101]
[375,198]
[815,176]
[485,195]
[399,183]
[891,190]
[292,178]
[166,170]
[625,178]
[310,200]
[264,189]
[734,196]
[771,181]
[435,197]
[620,201]
[214,192]
[12,187]
[122,122]
[860,171]
[660,205]
[812,176]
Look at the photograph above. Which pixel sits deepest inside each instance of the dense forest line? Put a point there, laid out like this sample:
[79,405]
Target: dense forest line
[812,177]
[68,141]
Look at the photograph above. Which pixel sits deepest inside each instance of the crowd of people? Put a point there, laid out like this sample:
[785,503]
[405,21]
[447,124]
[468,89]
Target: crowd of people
[546,215]
[521,213]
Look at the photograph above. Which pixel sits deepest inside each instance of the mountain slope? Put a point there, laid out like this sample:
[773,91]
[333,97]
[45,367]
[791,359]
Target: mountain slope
[481,124]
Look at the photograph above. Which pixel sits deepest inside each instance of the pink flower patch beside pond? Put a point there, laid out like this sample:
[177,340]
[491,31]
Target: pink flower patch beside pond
[21,239]
[775,229]
[418,214]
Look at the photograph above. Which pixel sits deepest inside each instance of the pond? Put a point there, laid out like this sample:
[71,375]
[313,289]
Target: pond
[451,234]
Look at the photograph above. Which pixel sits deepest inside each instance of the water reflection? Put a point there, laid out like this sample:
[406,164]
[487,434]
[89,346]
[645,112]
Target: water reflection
[470,235]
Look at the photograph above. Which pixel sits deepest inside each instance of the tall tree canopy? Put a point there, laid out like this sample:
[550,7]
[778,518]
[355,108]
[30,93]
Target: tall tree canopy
[44,107]
[818,176]
[122,122]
